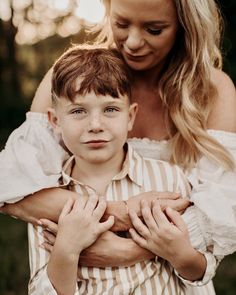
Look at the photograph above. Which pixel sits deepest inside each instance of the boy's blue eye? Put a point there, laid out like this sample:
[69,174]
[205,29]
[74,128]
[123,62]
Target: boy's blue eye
[154,31]
[111,110]
[78,111]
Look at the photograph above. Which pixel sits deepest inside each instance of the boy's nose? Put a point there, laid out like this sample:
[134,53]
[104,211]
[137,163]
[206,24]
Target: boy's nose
[134,40]
[95,124]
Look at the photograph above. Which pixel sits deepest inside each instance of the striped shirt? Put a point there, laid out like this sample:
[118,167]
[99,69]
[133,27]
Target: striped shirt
[154,276]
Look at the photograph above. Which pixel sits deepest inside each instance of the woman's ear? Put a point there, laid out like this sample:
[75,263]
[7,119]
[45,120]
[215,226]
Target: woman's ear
[133,109]
[53,119]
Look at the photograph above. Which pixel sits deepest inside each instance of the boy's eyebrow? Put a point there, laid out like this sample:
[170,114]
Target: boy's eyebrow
[84,102]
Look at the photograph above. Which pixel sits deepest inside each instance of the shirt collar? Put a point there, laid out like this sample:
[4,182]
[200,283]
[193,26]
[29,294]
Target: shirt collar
[132,167]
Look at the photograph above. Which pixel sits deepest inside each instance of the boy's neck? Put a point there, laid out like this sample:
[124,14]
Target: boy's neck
[98,175]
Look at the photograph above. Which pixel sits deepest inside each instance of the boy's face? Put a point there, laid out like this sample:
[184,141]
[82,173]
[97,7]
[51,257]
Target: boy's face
[94,128]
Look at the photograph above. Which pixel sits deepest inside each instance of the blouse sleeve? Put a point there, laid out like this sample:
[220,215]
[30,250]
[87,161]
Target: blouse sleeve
[32,159]
[214,197]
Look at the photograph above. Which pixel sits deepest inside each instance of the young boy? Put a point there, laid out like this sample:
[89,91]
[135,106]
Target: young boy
[93,115]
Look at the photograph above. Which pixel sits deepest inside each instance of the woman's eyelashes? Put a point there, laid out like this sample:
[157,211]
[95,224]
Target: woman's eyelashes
[121,25]
[150,30]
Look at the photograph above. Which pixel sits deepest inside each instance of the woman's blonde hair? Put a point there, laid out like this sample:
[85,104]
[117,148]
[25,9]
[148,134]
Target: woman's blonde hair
[185,86]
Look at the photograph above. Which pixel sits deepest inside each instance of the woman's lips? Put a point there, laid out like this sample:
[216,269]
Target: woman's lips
[134,57]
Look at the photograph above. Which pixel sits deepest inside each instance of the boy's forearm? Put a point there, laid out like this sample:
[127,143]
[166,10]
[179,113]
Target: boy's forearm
[62,270]
[191,265]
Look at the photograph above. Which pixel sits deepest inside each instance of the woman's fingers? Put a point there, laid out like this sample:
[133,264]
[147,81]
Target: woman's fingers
[49,225]
[49,237]
[46,246]
[167,195]
[138,224]
[178,204]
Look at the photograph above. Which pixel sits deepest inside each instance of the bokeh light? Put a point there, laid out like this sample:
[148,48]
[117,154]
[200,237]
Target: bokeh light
[38,19]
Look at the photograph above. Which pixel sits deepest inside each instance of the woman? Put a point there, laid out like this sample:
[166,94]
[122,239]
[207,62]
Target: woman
[173,49]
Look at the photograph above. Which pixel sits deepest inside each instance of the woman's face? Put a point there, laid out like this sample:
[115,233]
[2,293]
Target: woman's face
[144,30]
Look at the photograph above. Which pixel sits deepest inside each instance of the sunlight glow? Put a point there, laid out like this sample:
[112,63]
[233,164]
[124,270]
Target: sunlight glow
[61,4]
[90,10]
[5,11]
[38,19]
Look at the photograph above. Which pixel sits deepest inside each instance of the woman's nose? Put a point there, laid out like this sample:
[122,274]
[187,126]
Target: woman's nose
[134,40]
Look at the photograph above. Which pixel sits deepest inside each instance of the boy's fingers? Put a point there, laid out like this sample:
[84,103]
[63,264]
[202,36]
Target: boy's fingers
[138,224]
[159,216]
[137,238]
[100,209]
[77,205]
[49,225]
[106,225]
[91,203]
[176,218]
[147,216]
[67,207]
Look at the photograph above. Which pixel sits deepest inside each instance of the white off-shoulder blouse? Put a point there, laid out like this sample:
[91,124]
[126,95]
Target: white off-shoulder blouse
[33,160]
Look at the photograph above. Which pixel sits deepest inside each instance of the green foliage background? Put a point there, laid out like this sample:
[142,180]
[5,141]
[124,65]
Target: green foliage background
[22,68]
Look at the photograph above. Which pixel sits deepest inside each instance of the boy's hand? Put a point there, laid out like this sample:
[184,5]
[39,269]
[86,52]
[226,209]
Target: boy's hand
[79,226]
[166,235]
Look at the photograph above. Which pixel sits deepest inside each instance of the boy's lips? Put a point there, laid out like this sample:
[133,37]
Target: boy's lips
[96,143]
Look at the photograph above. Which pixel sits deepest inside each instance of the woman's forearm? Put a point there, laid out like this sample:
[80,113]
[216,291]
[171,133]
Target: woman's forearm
[47,203]
[111,250]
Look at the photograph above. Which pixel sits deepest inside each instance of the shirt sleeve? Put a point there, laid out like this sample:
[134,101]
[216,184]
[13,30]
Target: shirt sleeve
[39,283]
[196,236]
[31,160]
[214,198]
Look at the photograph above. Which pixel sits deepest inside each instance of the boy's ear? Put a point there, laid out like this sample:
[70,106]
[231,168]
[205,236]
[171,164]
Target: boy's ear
[52,118]
[133,109]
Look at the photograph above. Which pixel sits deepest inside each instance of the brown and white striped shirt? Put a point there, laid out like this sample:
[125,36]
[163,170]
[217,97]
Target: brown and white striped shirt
[155,276]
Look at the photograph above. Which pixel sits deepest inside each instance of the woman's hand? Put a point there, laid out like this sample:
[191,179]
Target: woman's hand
[165,199]
[119,211]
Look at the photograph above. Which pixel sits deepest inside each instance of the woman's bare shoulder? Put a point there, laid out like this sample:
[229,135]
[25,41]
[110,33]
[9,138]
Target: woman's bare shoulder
[42,98]
[223,115]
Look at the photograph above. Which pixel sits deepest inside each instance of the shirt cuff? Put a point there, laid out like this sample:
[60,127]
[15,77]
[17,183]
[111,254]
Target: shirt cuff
[212,264]
[41,285]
